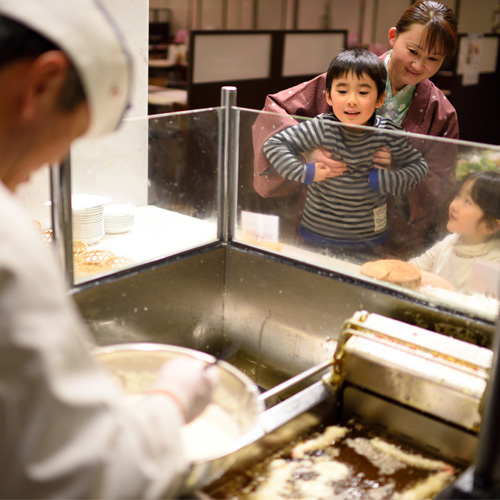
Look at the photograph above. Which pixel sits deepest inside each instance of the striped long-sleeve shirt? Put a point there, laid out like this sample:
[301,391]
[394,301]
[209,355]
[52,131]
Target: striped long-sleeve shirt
[351,207]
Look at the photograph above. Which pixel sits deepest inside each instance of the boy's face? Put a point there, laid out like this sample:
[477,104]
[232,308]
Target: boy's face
[354,99]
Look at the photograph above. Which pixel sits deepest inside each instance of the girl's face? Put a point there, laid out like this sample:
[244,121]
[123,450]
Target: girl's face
[410,63]
[466,217]
[354,99]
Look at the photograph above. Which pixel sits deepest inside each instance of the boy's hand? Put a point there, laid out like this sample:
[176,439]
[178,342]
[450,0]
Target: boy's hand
[320,155]
[382,158]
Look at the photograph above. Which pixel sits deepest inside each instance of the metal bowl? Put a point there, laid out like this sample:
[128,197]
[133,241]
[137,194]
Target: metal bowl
[236,393]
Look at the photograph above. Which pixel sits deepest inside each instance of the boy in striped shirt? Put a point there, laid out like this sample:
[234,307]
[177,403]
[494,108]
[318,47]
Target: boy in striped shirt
[346,210]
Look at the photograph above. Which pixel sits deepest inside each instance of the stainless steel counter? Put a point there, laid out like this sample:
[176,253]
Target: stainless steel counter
[273,318]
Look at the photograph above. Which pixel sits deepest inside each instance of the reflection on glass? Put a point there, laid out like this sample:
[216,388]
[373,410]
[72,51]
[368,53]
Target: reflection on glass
[427,220]
[146,192]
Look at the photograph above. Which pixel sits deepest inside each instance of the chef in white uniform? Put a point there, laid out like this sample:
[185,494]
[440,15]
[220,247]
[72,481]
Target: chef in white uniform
[64,430]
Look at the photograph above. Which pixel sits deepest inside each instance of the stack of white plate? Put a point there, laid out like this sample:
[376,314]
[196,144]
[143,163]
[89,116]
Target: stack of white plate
[119,218]
[88,218]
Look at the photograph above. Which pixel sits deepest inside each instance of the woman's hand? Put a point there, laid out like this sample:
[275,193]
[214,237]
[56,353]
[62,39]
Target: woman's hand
[320,155]
[382,158]
[321,172]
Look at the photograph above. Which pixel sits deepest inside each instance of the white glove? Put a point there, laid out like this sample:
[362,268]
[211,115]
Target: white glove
[189,382]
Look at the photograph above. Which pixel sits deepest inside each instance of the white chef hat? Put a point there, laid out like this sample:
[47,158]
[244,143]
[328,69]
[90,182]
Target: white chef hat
[87,34]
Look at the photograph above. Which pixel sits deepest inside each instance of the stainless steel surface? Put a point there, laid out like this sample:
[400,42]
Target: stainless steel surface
[235,393]
[429,434]
[60,194]
[419,386]
[288,317]
[283,423]
[283,318]
[293,382]
[441,376]
[227,156]
[283,413]
[487,467]
[416,385]
[180,302]
[379,366]
[296,405]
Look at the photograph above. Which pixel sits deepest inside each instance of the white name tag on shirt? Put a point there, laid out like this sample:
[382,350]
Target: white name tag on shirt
[484,278]
[380,217]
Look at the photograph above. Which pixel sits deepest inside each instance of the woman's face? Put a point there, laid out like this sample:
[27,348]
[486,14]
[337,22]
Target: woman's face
[410,63]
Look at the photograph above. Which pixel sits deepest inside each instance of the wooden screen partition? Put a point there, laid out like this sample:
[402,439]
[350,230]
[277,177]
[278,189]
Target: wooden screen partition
[478,105]
[477,102]
[257,62]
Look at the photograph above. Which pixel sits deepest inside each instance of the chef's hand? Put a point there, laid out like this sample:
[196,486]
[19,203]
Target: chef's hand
[320,155]
[189,383]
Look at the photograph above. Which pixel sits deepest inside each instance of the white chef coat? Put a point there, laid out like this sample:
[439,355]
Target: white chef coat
[453,260]
[64,430]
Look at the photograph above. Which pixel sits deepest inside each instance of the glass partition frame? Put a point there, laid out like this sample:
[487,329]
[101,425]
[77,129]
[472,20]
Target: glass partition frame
[261,232]
[230,192]
[136,202]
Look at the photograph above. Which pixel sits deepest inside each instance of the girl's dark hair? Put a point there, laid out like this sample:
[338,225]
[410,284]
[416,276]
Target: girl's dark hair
[19,42]
[440,21]
[360,62]
[485,192]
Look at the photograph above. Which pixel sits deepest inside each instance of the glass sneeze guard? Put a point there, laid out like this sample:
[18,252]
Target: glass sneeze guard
[271,223]
[146,192]
[168,174]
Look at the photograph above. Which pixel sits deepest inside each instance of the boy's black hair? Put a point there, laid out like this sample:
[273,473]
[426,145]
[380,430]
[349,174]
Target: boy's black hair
[18,42]
[360,62]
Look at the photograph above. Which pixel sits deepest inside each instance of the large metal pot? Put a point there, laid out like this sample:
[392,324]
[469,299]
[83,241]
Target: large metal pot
[236,393]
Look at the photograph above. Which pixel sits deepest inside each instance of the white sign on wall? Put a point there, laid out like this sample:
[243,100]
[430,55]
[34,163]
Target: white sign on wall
[471,48]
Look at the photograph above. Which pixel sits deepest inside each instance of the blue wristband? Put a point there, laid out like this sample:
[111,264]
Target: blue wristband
[310,171]
[373,180]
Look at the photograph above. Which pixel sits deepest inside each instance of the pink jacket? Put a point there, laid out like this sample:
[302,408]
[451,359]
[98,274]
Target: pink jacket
[430,113]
